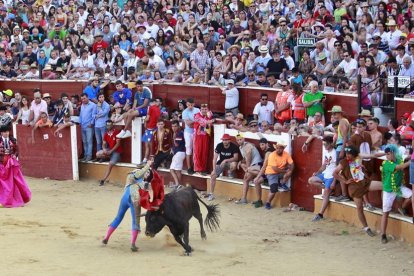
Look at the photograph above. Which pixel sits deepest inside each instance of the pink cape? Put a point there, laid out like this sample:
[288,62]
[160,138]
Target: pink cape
[14,191]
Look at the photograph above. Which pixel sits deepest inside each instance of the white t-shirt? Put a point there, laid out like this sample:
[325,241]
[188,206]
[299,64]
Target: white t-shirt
[264,112]
[329,159]
[232,98]
[348,66]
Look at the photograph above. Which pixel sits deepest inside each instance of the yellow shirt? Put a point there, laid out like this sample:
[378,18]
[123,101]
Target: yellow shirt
[280,162]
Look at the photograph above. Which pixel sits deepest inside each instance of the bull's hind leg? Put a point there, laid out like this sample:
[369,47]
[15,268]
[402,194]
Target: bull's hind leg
[197,214]
[186,239]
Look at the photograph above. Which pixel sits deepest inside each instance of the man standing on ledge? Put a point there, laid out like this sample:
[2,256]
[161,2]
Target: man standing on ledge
[188,118]
[203,122]
[87,120]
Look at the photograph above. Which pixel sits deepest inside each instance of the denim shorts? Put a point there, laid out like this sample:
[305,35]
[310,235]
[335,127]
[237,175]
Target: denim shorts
[327,182]
[274,181]
[115,157]
[412,172]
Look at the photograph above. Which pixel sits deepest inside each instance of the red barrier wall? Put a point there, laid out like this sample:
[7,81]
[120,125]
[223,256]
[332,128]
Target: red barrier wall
[305,165]
[404,105]
[50,157]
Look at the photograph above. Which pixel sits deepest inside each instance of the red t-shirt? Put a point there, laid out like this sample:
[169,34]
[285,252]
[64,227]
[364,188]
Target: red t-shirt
[154,112]
[111,140]
[99,45]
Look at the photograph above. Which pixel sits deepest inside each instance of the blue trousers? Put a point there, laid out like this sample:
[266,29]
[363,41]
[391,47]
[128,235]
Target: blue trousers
[126,203]
[87,141]
[99,134]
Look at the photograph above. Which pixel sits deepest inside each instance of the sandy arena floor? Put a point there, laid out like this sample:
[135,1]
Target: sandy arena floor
[60,233]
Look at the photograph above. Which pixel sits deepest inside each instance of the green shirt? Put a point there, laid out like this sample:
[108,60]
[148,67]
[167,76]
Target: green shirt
[391,179]
[316,107]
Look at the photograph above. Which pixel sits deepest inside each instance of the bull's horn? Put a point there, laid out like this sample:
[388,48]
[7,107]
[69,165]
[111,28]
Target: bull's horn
[143,215]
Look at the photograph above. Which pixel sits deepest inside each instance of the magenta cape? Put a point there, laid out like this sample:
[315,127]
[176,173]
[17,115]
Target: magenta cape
[14,191]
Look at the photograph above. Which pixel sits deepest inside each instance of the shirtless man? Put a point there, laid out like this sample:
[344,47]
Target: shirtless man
[376,135]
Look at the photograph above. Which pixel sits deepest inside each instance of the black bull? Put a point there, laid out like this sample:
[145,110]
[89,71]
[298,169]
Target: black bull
[176,211]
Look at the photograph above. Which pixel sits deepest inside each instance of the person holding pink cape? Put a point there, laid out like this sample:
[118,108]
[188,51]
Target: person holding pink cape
[14,191]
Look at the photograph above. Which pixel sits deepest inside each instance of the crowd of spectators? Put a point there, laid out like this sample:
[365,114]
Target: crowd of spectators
[253,43]
[224,43]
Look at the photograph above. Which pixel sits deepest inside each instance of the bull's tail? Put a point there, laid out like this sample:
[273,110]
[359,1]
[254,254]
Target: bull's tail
[212,220]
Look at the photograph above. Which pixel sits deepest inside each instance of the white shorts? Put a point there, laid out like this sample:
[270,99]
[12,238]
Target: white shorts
[177,161]
[188,137]
[388,198]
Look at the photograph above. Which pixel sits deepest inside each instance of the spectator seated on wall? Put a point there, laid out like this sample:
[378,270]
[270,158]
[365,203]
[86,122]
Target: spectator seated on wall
[111,150]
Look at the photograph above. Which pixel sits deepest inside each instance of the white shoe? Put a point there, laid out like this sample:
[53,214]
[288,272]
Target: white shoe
[121,134]
[211,197]
[127,134]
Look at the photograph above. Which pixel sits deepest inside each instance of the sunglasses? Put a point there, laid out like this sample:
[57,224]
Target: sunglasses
[348,150]
[264,99]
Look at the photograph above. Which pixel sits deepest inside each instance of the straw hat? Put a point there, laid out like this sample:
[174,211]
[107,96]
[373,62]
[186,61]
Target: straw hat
[336,109]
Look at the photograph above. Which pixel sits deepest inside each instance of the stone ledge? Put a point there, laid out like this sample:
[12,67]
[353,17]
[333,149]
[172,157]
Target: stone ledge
[398,226]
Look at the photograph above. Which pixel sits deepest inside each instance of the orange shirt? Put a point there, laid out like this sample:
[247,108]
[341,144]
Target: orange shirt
[41,124]
[274,160]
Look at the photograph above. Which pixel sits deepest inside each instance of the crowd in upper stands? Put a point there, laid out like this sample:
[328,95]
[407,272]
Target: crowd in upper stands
[254,43]
[229,44]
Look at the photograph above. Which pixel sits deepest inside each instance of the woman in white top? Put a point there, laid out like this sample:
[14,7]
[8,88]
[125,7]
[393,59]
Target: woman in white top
[87,37]
[114,26]
[53,58]
[133,60]
[24,111]
[180,62]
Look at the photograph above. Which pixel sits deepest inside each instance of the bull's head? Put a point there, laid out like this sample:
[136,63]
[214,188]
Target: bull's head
[155,221]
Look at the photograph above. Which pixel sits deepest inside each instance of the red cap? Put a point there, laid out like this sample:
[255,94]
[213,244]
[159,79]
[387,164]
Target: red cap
[406,115]
[226,137]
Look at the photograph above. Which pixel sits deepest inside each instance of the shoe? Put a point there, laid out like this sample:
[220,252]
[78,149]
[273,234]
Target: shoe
[101,183]
[342,198]
[283,188]
[134,248]
[127,134]
[190,171]
[82,160]
[211,197]
[104,241]
[88,159]
[369,207]
[318,217]
[384,239]
[230,175]
[258,204]
[241,201]
[369,232]
[268,206]
[100,160]
[121,134]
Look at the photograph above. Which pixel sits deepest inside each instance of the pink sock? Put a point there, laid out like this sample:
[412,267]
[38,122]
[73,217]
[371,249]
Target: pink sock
[109,232]
[134,236]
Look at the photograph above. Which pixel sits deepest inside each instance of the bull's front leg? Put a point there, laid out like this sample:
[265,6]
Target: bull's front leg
[178,239]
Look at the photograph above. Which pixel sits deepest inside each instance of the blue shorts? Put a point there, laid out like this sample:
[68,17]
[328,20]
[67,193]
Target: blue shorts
[147,137]
[412,172]
[142,111]
[327,182]
[115,157]
[274,181]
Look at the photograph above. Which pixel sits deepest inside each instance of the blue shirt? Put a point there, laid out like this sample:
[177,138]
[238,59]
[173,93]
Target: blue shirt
[298,79]
[189,115]
[261,63]
[140,97]
[91,91]
[122,96]
[101,114]
[87,114]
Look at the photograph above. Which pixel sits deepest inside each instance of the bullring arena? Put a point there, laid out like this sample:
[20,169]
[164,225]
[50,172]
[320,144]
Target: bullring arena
[60,233]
